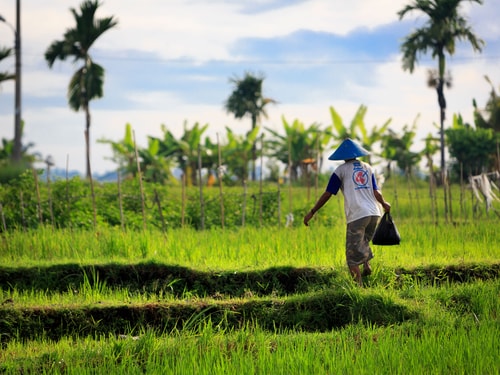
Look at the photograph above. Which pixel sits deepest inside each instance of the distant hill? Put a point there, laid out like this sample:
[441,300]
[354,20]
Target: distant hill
[59,173]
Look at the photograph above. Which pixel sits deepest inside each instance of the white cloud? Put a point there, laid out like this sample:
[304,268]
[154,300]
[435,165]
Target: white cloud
[203,30]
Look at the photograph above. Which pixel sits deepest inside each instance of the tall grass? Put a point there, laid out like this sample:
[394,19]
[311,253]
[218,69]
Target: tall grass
[454,329]
[316,246]
[407,349]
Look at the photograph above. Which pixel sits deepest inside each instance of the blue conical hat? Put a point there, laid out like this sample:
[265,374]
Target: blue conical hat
[348,149]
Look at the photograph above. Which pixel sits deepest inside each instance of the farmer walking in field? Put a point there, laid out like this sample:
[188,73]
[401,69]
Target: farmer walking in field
[357,181]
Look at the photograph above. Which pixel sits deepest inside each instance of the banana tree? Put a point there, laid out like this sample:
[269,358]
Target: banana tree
[489,117]
[368,138]
[296,145]
[154,166]
[189,145]
[123,152]
[237,152]
[341,131]
[358,130]
[396,147]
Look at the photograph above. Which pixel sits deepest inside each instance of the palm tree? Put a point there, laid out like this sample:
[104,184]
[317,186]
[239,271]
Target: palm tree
[444,27]
[4,53]
[87,82]
[247,100]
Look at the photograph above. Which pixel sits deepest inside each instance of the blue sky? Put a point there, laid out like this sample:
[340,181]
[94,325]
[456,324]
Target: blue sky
[169,62]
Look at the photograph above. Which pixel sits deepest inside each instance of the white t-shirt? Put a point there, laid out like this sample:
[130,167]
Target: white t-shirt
[357,182]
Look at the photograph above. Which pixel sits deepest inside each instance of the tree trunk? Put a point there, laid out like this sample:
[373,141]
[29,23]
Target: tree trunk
[442,108]
[18,128]
[87,139]
[254,149]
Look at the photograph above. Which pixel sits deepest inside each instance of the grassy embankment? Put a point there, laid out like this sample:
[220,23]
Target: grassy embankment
[252,300]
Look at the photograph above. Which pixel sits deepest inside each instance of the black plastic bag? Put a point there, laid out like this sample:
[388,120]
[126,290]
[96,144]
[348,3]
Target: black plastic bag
[386,233]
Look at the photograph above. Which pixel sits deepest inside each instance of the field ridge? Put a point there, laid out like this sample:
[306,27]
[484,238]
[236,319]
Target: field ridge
[179,298]
[177,280]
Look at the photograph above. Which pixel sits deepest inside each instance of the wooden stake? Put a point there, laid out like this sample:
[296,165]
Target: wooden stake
[120,202]
[4,224]
[202,203]
[183,192]
[260,180]
[39,205]
[68,202]
[220,174]
[143,205]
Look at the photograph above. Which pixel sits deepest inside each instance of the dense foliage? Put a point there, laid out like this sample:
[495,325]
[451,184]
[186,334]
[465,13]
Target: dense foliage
[29,203]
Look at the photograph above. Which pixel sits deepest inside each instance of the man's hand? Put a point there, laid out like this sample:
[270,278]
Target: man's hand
[308,217]
[386,206]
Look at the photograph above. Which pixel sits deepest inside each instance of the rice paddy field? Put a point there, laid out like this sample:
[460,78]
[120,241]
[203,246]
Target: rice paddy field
[254,300]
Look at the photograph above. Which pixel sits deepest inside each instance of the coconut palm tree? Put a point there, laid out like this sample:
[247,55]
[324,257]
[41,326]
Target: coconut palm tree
[87,82]
[247,100]
[443,28]
[4,53]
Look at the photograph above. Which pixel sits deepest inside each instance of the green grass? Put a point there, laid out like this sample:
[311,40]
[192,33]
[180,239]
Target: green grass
[446,342]
[270,300]
[253,248]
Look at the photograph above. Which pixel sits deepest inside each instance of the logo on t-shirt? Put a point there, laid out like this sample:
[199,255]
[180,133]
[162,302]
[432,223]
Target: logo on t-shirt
[360,177]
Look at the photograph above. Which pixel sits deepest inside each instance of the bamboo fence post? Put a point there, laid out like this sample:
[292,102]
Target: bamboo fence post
[410,200]
[183,197]
[220,174]
[498,157]
[474,202]
[433,194]
[396,193]
[139,173]
[120,201]
[279,202]
[202,203]
[160,212]
[49,196]
[463,214]
[260,180]
[68,203]
[450,201]
[23,216]
[92,188]
[435,200]
[4,224]
[316,177]
[243,211]
[37,189]
[445,194]
[306,177]
[417,197]
[290,214]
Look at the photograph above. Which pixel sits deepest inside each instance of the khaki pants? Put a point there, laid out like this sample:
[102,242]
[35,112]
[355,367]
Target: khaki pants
[358,236]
